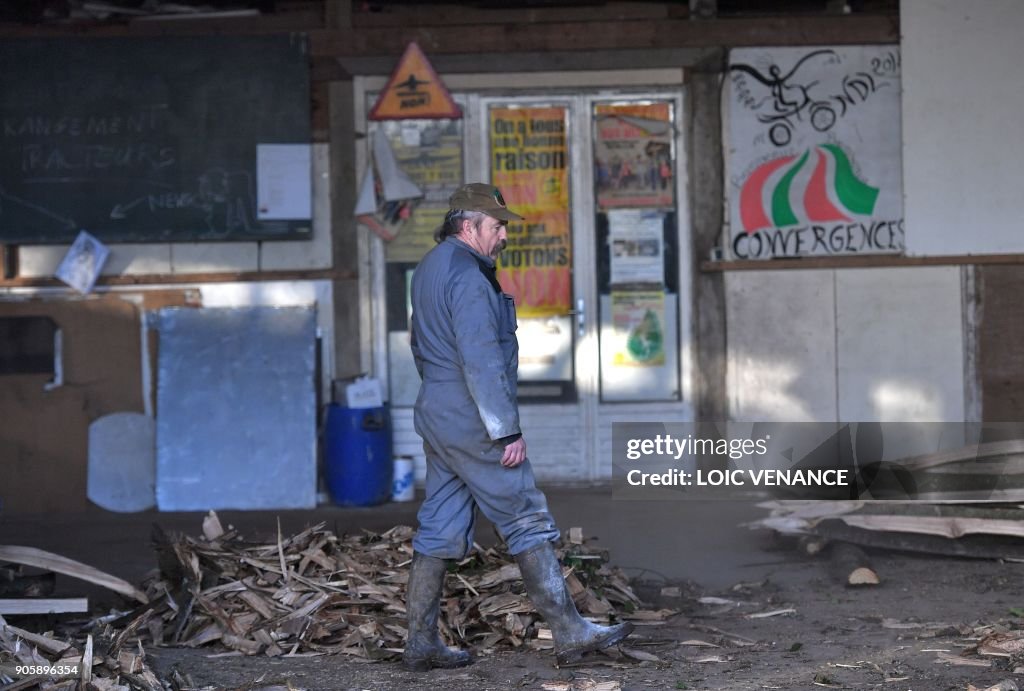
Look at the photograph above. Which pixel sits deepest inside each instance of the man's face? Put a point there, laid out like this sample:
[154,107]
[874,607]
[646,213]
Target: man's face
[491,236]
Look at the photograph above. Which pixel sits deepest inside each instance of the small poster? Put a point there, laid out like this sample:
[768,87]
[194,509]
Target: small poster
[637,246]
[284,186]
[81,266]
[638,325]
[429,152]
[633,155]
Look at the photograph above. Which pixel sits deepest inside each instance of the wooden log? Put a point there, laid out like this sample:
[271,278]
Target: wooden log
[51,646]
[43,605]
[972,546]
[851,566]
[30,556]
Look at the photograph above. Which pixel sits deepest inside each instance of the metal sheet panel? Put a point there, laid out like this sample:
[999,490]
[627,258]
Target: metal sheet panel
[236,421]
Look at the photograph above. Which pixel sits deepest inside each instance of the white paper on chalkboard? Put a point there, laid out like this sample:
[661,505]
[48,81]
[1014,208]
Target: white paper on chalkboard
[81,266]
[284,189]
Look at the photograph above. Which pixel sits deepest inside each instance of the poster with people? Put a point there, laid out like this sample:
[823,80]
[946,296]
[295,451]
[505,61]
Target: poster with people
[633,161]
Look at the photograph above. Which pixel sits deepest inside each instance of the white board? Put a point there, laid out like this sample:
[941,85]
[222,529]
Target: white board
[813,151]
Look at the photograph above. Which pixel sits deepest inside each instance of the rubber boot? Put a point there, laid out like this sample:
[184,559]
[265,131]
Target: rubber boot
[424,648]
[573,634]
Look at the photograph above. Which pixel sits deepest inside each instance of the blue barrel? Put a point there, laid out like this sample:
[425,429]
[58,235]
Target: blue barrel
[357,448]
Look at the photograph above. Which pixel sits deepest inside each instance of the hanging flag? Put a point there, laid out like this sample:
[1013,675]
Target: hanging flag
[414,91]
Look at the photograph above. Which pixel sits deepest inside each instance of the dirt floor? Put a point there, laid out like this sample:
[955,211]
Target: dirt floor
[893,636]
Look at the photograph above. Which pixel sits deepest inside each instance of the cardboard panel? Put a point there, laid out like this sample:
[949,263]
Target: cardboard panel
[44,435]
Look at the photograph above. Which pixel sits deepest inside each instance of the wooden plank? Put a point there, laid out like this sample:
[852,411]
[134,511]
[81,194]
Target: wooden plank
[216,277]
[198,25]
[30,556]
[974,546]
[1000,328]
[642,34]
[858,262]
[43,605]
[398,14]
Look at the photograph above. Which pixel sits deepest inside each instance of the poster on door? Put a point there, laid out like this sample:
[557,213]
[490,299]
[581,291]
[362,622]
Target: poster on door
[633,164]
[530,165]
[638,328]
[430,153]
[813,162]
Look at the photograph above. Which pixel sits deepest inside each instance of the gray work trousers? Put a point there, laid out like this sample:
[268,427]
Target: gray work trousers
[464,472]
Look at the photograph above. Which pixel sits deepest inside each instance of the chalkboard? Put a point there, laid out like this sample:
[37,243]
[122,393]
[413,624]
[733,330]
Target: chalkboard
[145,140]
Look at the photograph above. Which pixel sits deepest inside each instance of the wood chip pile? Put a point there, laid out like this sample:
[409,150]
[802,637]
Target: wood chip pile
[59,664]
[316,592]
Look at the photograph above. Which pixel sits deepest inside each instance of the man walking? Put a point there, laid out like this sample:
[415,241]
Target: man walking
[465,347]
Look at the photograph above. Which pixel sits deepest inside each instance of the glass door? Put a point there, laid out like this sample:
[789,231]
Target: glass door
[529,159]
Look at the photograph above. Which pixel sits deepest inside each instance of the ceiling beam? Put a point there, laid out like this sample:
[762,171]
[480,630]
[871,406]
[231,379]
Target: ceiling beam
[496,39]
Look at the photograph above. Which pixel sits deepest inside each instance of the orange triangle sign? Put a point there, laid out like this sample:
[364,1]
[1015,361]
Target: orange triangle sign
[414,91]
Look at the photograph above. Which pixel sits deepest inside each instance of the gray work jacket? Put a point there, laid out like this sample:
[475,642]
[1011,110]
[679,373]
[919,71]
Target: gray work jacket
[464,330]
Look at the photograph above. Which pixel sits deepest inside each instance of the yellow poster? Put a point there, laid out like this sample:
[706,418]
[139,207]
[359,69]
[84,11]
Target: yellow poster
[530,165]
[430,153]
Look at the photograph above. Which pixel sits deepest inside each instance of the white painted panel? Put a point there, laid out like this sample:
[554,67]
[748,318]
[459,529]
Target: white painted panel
[403,379]
[781,346]
[637,412]
[553,436]
[137,259]
[555,441]
[900,344]
[214,257]
[37,261]
[314,253]
[963,92]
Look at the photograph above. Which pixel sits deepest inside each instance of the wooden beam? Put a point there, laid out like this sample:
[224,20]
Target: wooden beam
[608,35]
[43,605]
[394,14]
[288,22]
[176,279]
[863,261]
[30,556]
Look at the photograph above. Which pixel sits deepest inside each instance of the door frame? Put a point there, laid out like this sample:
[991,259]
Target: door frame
[580,91]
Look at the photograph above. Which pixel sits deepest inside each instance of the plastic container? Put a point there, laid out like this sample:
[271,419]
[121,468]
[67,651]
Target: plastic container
[403,487]
[358,464]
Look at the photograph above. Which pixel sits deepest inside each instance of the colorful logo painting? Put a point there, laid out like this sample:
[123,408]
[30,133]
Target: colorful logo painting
[833,192]
[814,151]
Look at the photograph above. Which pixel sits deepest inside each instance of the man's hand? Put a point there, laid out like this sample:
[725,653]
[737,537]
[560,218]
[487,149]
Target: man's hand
[515,453]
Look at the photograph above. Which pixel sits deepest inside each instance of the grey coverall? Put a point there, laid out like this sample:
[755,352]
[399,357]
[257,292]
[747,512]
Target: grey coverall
[465,347]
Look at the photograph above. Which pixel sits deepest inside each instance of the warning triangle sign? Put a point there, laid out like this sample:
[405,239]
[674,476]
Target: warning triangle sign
[414,91]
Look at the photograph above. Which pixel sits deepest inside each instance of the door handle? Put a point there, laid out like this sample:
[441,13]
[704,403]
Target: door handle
[581,317]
